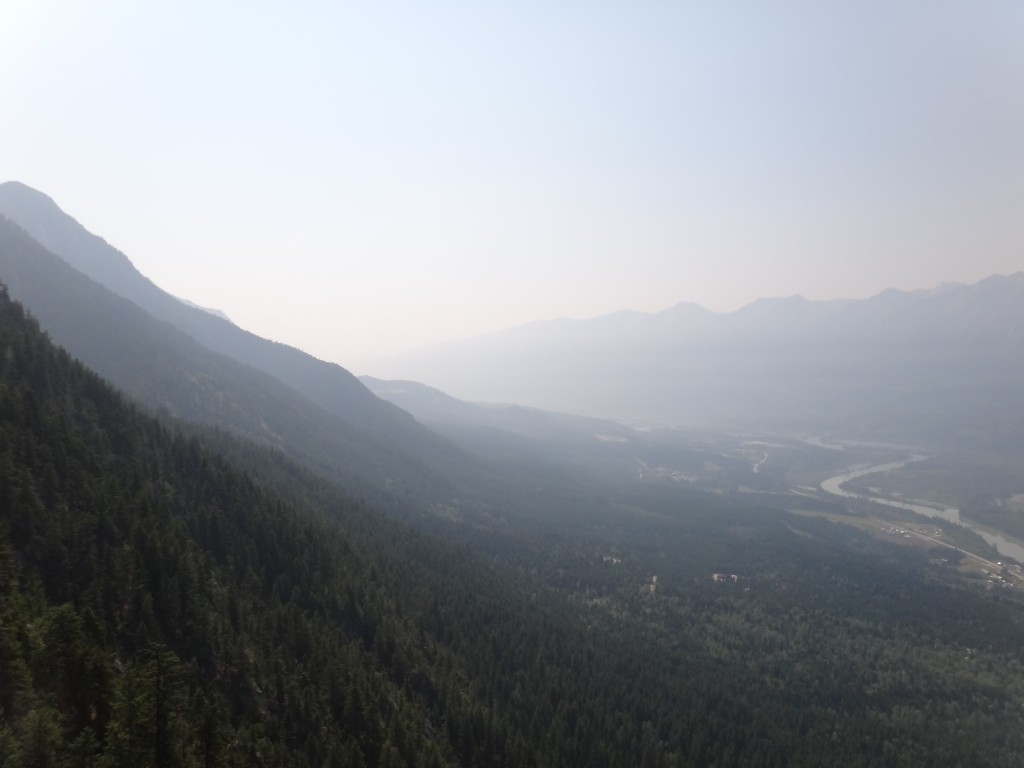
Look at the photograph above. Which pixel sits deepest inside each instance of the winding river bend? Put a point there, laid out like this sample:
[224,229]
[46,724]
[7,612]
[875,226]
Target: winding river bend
[1005,545]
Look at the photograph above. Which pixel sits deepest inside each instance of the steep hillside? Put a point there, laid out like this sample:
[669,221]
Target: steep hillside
[159,608]
[169,371]
[328,385]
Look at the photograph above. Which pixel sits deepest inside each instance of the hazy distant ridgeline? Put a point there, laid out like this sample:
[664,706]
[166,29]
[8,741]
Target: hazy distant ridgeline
[942,364]
[946,364]
[165,369]
[202,367]
[326,384]
[198,367]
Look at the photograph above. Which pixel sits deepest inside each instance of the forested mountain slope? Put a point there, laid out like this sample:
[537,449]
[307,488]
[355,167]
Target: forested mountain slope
[159,607]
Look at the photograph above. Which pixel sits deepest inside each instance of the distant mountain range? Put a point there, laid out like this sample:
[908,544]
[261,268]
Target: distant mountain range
[945,364]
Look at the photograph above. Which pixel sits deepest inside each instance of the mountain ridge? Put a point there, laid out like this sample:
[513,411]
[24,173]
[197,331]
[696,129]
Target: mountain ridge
[327,384]
[169,371]
[946,358]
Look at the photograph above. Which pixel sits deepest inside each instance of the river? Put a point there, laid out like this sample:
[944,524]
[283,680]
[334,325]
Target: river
[1005,545]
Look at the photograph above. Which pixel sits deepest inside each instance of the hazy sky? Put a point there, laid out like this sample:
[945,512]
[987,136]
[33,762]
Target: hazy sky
[361,178]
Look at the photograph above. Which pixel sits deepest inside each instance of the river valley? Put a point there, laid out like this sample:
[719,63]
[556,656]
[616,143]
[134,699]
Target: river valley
[1005,545]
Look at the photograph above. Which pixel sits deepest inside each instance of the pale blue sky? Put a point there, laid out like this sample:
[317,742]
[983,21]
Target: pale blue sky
[364,178]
